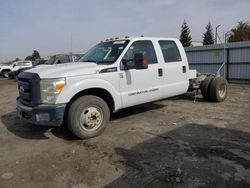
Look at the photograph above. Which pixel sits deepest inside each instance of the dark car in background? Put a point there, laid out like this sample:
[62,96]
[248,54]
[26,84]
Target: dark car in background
[55,59]
[63,58]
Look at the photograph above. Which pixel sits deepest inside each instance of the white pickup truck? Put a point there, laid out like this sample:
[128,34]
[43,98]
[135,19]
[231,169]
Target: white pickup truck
[114,74]
[6,68]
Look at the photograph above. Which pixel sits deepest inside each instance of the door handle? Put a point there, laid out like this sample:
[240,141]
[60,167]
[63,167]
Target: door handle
[160,72]
[184,69]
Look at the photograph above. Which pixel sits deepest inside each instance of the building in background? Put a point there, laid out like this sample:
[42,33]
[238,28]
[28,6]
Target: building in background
[196,43]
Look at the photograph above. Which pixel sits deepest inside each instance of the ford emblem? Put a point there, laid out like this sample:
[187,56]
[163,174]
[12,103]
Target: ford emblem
[21,89]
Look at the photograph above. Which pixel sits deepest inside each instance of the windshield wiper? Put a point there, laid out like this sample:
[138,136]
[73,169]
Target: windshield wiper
[89,61]
[105,62]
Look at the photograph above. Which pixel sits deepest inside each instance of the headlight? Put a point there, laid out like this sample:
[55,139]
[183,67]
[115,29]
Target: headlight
[51,88]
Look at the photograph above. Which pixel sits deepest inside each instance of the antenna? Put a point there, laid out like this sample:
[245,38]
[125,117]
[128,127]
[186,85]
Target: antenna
[71,43]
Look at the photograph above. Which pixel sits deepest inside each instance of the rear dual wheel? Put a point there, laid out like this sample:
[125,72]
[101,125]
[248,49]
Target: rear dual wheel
[214,89]
[205,88]
[218,89]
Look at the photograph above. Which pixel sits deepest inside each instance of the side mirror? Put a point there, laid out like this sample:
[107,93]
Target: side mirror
[125,64]
[140,62]
[14,65]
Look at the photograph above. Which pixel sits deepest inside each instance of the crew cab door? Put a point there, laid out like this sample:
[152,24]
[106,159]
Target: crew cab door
[140,85]
[175,68]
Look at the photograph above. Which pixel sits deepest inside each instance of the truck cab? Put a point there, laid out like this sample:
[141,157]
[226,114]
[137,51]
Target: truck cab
[114,74]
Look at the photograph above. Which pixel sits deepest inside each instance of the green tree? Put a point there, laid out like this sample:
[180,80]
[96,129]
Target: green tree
[30,58]
[17,59]
[240,33]
[185,36]
[208,36]
[35,55]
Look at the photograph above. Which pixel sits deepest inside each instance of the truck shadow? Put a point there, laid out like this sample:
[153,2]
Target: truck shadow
[26,130]
[190,96]
[189,156]
[135,110]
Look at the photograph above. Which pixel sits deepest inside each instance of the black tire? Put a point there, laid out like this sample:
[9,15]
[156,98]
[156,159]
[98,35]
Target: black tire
[5,73]
[11,76]
[15,77]
[205,88]
[219,89]
[88,116]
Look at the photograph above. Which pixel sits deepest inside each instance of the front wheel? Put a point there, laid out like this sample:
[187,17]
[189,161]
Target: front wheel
[88,116]
[6,74]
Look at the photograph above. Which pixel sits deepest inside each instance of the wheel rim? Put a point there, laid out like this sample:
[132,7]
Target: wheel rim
[222,91]
[6,74]
[91,118]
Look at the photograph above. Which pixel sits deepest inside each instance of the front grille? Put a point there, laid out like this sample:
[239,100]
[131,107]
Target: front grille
[29,88]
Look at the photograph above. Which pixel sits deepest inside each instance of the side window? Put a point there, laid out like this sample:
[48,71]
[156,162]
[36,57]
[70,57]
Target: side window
[63,59]
[170,51]
[19,64]
[145,47]
[26,63]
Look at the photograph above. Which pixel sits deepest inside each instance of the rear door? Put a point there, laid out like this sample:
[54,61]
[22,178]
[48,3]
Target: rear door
[140,86]
[175,69]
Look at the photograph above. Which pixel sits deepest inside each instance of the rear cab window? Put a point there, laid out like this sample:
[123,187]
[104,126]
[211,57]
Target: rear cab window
[170,51]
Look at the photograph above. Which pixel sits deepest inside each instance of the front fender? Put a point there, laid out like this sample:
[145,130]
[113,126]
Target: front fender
[74,86]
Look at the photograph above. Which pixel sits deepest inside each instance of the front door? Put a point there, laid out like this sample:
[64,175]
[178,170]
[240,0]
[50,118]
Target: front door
[143,85]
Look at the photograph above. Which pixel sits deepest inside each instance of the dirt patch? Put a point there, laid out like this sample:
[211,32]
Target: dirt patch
[169,143]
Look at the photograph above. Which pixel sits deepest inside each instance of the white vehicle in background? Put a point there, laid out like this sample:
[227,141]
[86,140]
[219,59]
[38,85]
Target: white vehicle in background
[6,68]
[113,75]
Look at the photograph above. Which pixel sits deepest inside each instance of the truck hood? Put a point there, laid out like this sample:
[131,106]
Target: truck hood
[65,69]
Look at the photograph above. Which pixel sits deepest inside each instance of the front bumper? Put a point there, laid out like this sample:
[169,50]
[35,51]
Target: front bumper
[48,115]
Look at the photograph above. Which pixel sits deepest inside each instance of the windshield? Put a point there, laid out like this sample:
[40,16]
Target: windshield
[105,52]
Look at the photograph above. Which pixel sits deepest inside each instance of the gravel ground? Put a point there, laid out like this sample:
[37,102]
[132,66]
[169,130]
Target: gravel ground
[169,143]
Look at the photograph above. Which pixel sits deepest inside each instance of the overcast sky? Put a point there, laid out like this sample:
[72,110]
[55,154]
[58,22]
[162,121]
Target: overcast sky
[47,25]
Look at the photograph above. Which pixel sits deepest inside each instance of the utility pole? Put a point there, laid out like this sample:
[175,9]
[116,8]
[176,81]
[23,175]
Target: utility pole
[71,43]
[216,33]
[226,34]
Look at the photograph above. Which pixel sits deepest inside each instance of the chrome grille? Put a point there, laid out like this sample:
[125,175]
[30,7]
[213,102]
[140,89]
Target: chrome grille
[29,88]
